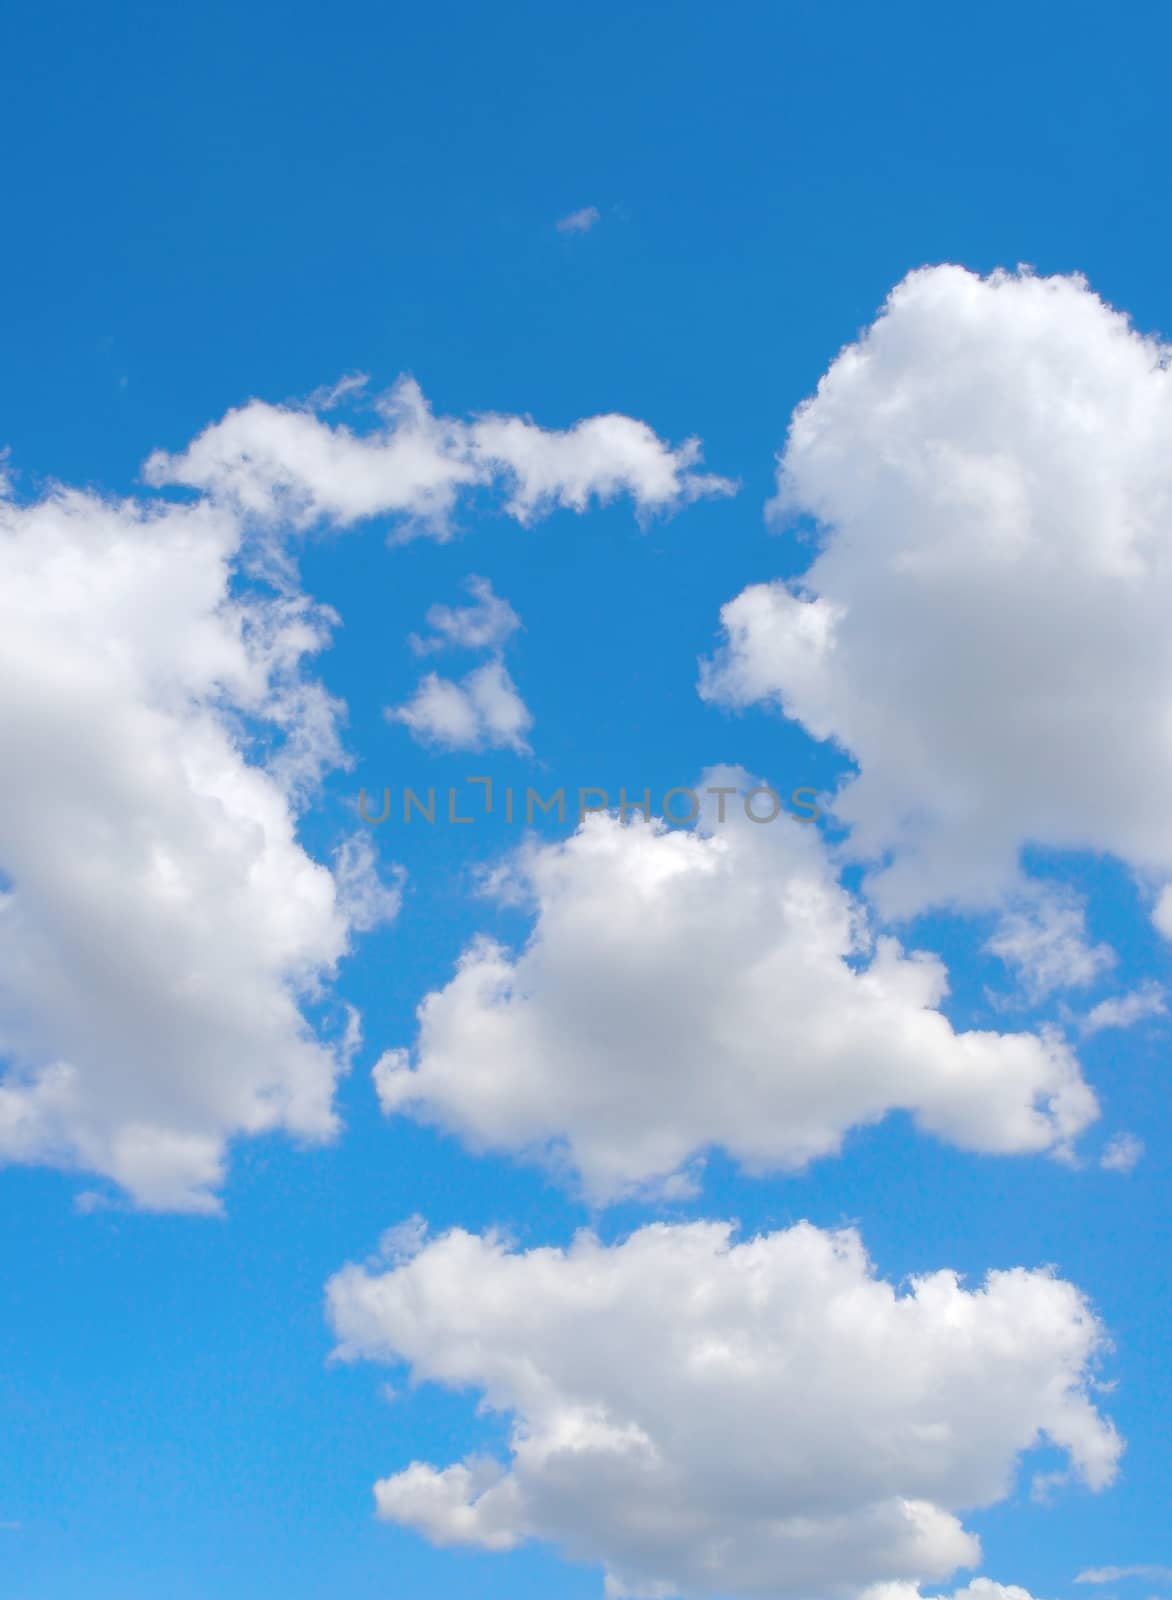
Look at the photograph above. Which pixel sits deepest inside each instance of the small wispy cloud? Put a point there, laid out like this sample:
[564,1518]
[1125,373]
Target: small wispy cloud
[1044,939]
[1116,1574]
[329,395]
[580,221]
[481,712]
[484,625]
[1123,1154]
[91,1200]
[1124,1011]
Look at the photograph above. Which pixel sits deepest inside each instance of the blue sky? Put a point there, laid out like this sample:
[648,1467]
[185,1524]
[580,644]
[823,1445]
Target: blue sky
[231,204]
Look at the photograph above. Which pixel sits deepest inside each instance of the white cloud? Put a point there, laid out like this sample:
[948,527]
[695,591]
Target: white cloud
[281,464]
[1162,912]
[482,711]
[160,924]
[579,221]
[487,624]
[1043,936]
[701,1416]
[1153,1574]
[1125,1010]
[683,989]
[1123,1153]
[159,921]
[978,1589]
[364,898]
[985,626]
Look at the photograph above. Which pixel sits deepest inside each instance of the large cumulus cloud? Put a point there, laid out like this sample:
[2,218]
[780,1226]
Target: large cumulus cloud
[702,1415]
[985,625]
[711,986]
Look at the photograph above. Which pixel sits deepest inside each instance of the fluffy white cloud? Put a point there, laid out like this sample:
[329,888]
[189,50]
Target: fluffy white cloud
[159,921]
[161,927]
[688,988]
[486,624]
[482,711]
[985,625]
[1043,936]
[281,463]
[707,1416]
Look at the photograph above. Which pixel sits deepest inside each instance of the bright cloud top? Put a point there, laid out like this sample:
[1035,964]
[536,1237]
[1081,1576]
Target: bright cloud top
[701,1416]
[682,989]
[985,627]
[159,921]
[281,463]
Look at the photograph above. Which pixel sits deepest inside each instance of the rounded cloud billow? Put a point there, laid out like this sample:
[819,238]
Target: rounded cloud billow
[687,989]
[704,1416]
[985,626]
[161,922]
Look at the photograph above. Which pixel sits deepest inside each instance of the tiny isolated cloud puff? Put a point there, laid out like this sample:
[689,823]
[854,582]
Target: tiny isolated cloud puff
[580,221]
[483,710]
